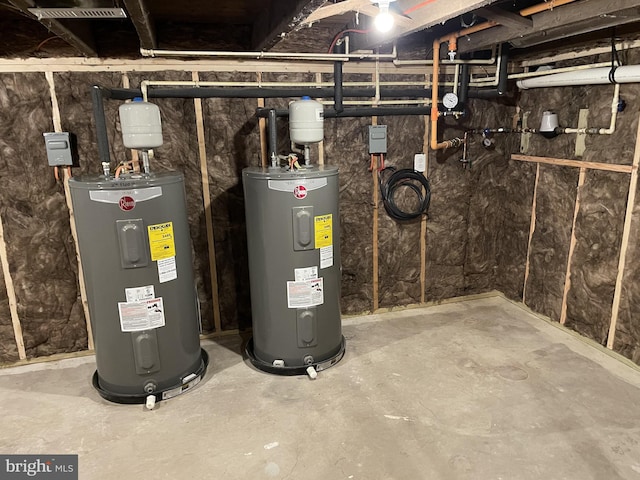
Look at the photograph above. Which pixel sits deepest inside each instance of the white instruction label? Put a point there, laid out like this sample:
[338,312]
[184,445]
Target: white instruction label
[167,269]
[302,274]
[144,315]
[138,294]
[305,294]
[419,162]
[326,257]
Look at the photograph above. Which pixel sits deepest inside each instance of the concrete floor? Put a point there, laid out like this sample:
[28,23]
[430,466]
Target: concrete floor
[478,389]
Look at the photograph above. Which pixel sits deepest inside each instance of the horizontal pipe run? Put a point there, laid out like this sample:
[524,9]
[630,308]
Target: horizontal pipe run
[472,61]
[594,76]
[373,101]
[248,92]
[323,57]
[357,112]
[573,54]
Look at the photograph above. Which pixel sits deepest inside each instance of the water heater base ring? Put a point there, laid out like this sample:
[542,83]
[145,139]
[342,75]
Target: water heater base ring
[297,370]
[142,398]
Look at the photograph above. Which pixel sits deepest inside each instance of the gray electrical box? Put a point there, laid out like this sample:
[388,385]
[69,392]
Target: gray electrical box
[377,139]
[58,149]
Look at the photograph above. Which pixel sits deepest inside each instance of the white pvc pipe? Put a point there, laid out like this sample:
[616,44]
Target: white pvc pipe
[480,82]
[326,57]
[594,76]
[612,124]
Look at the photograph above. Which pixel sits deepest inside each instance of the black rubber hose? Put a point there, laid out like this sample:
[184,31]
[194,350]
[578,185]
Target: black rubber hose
[391,180]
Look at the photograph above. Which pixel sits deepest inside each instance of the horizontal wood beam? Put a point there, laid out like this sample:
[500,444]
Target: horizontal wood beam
[508,19]
[336,9]
[560,22]
[439,11]
[587,25]
[563,162]
[139,14]
[79,35]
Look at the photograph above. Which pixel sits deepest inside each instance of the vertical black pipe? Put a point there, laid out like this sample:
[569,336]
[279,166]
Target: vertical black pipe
[337,78]
[101,123]
[503,73]
[464,84]
[273,137]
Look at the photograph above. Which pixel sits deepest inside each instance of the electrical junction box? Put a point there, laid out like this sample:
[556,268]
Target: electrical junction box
[377,139]
[419,162]
[58,147]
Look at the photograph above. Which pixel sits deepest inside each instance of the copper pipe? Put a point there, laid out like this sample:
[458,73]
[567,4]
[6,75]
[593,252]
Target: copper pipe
[541,7]
[452,40]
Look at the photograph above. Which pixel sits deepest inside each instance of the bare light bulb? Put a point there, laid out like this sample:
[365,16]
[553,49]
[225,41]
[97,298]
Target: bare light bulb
[384,20]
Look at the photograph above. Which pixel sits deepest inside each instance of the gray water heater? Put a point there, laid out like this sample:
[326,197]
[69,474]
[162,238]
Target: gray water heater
[134,242]
[293,236]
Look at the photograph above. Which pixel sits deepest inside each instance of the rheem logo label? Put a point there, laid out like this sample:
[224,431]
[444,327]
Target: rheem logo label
[127,203]
[300,192]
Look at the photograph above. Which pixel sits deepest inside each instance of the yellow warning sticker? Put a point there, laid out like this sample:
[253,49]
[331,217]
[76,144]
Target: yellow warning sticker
[161,242]
[323,230]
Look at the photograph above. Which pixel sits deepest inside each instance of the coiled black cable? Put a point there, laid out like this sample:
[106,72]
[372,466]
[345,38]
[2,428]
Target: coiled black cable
[391,180]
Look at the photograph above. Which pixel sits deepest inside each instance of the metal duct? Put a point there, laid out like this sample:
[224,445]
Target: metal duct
[71,9]
[78,12]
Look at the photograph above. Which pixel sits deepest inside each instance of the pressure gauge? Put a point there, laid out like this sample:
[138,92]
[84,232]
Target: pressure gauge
[450,100]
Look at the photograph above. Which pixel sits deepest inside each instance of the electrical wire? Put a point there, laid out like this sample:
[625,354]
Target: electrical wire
[391,180]
[615,59]
[340,34]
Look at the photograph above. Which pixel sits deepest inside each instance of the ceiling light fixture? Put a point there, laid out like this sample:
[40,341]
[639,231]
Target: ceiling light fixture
[384,20]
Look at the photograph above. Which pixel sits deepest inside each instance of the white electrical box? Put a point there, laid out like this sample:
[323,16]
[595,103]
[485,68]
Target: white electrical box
[419,162]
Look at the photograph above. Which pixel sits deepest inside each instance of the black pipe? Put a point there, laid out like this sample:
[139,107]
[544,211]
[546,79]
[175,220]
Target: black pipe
[97,95]
[464,84]
[255,92]
[273,134]
[337,79]
[356,112]
[503,73]
[503,78]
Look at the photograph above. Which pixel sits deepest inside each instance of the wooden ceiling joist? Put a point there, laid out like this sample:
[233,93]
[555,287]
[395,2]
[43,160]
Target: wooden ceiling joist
[507,19]
[139,14]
